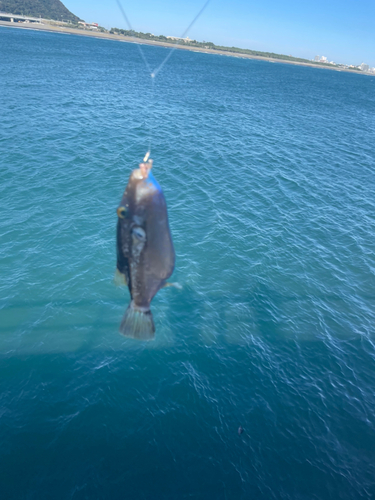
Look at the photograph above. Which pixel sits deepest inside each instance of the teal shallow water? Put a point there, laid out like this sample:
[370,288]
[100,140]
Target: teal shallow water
[268,172]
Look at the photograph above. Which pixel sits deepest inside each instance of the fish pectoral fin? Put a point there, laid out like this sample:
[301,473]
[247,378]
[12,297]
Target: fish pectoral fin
[175,285]
[119,278]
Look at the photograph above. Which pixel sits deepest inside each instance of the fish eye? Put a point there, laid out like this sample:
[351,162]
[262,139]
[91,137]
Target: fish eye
[139,233]
[121,212]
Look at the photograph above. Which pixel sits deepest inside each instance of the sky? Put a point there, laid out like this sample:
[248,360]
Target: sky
[341,30]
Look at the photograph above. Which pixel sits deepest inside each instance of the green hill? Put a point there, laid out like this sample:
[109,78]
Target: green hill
[48,9]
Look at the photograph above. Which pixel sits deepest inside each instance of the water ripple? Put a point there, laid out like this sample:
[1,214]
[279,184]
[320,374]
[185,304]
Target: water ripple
[268,174]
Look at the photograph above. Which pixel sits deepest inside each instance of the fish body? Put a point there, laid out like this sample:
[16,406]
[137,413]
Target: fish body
[145,253]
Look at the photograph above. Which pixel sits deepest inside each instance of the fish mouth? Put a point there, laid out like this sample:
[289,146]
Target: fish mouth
[144,168]
[138,174]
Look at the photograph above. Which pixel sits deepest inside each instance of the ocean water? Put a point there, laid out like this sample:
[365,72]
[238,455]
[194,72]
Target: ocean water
[269,175]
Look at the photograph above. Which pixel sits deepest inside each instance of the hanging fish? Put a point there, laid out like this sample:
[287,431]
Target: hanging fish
[145,253]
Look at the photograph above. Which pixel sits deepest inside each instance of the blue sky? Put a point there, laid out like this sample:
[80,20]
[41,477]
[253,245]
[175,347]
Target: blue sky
[343,31]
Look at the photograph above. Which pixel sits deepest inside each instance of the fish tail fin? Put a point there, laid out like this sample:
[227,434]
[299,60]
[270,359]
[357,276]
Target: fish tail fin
[137,323]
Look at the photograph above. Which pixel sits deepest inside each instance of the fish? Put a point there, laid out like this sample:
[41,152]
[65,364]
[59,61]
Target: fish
[145,252]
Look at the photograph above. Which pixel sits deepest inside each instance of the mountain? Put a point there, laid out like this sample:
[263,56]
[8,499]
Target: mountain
[48,9]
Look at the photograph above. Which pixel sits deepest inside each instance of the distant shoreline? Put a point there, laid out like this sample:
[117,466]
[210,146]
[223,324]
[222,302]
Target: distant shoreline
[122,38]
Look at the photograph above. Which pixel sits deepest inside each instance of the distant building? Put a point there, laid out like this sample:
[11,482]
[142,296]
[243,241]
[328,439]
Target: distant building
[323,59]
[91,26]
[316,58]
[187,39]
[364,67]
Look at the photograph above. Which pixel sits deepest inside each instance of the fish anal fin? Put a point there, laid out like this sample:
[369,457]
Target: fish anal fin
[119,278]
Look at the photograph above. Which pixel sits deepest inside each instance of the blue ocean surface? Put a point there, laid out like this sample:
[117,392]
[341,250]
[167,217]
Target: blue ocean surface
[269,175]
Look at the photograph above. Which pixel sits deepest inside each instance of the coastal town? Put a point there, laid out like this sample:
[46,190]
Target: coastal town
[362,67]
[94,29]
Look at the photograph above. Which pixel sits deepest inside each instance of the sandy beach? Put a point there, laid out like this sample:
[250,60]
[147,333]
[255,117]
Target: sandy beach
[108,36]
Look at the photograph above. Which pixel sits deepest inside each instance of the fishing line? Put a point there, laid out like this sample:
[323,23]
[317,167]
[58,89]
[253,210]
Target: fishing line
[152,103]
[131,29]
[156,71]
[160,67]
